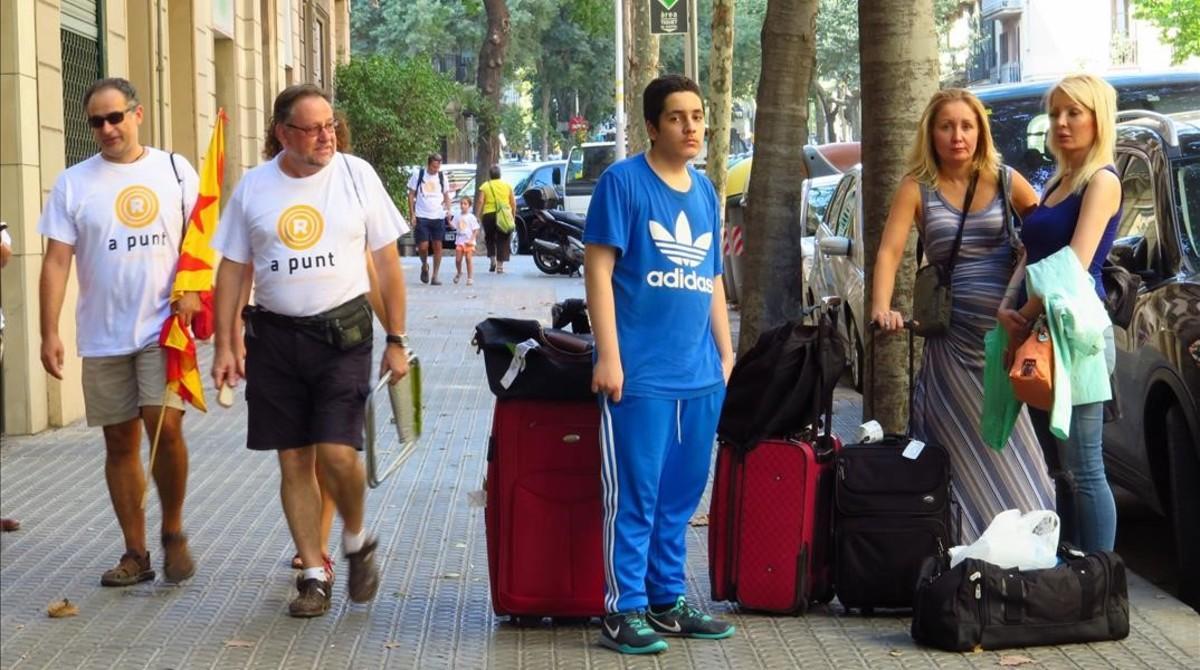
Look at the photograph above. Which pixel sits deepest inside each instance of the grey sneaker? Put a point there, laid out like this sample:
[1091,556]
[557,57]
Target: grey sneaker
[364,576]
[628,633]
[313,600]
[686,621]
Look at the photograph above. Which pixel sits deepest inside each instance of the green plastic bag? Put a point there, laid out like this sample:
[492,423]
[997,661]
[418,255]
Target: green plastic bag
[1000,405]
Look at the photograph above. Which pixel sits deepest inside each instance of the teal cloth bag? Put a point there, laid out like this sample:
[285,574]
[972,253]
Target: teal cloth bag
[1000,406]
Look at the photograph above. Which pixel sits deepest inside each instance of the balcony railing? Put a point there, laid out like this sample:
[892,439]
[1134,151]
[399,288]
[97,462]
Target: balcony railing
[998,9]
[1010,72]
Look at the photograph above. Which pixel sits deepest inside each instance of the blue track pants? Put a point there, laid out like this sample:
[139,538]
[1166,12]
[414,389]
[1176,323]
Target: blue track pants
[656,456]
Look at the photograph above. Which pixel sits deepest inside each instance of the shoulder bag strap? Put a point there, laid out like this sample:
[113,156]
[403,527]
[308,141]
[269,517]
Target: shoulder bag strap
[182,204]
[962,223]
[1010,219]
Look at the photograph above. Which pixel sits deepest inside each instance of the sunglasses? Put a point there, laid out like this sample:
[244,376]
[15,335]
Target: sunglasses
[111,119]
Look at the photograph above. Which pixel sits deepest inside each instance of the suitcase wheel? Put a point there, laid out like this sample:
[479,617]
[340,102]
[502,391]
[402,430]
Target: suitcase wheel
[525,621]
[571,620]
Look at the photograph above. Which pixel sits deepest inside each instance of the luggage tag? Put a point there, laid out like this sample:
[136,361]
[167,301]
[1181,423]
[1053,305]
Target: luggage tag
[913,450]
[518,362]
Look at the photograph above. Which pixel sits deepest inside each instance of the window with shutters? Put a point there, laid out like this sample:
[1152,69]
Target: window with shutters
[81,65]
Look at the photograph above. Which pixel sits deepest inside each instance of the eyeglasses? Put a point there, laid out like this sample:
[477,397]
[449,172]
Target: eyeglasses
[314,131]
[111,119]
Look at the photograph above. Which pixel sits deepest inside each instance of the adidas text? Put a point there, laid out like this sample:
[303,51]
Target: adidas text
[678,279]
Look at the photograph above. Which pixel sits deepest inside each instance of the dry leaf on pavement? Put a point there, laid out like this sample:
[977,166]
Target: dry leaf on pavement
[391,645]
[700,520]
[1009,660]
[61,608]
[239,643]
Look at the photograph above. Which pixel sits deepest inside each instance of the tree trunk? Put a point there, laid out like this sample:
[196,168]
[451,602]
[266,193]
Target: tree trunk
[545,122]
[828,113]
[488,79]
[720,98]
[771,292]
[899,61]
[641,67]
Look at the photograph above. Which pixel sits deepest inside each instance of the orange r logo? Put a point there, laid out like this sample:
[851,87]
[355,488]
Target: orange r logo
[300,227]
[136,206]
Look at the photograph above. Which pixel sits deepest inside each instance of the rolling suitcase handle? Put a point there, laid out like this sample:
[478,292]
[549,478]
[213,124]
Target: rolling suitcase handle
[912,382]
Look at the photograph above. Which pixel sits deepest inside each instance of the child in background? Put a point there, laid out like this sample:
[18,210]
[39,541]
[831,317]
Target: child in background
[465,227]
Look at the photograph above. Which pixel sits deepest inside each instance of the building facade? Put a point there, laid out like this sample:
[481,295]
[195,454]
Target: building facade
[187,59]
[1020,40]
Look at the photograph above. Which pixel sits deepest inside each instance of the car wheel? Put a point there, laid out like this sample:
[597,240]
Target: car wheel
[514,241]
[1185,504]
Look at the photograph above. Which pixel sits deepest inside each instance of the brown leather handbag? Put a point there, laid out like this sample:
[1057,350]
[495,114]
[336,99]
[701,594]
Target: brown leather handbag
[1032,371]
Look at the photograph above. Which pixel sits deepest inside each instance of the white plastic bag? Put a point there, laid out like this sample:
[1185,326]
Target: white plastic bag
[1015,540]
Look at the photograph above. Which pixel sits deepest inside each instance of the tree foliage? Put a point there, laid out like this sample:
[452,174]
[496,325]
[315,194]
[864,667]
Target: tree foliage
[397,113]
[1179,23]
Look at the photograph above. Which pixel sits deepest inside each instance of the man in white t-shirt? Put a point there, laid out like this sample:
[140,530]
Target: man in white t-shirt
[121,214]
[429,204]
[303,221]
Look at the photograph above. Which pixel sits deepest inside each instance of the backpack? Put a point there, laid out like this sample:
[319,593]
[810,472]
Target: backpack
[421,179]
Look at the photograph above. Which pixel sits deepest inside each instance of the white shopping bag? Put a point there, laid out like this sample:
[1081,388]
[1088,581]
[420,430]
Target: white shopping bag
[1014,540]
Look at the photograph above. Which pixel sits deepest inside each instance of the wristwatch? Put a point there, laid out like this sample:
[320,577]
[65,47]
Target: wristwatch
[401,339]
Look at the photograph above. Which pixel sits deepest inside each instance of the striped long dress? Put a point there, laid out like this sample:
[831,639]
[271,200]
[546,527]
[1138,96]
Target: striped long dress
[948,398]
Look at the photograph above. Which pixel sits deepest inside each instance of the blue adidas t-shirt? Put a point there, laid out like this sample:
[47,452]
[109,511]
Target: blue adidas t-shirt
[668,256]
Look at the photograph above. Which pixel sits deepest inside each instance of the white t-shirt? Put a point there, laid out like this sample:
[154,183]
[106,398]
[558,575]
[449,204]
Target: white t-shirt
[430,203]
[125,223]
[465,226]
[308,236]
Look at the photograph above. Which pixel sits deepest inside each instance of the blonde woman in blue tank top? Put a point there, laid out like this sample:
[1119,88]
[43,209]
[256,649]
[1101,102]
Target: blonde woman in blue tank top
[953,147]
[1080,209]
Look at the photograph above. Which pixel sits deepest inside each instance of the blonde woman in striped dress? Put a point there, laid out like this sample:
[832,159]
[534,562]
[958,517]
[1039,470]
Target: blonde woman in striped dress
[953,147]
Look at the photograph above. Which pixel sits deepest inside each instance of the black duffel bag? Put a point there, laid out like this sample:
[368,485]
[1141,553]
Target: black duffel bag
[978,605]
[525,360]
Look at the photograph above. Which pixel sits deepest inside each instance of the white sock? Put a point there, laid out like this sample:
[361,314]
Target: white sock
[352,542]
[315,573]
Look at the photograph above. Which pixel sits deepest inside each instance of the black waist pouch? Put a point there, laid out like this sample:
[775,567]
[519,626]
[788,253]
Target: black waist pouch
[978,605]
[343,327]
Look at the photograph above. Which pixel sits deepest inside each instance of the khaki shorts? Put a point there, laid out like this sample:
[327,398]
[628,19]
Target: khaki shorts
[115,387]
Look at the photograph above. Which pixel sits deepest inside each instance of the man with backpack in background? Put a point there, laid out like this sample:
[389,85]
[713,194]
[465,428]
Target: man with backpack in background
[429,205]
[121,215]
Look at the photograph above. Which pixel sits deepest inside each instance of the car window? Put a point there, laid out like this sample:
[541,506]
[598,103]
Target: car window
[1187,184]
[819,198]
[845,219]
[1020,125]
[1137,232]
[835,205]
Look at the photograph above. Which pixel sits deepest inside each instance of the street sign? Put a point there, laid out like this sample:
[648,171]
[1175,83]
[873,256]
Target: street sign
[669,17]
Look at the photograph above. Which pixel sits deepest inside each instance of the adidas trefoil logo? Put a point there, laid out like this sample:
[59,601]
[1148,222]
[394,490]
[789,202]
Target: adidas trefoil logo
[683,251]
[680,247]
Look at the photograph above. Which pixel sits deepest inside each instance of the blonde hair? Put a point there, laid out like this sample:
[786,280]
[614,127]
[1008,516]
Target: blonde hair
[1100,98]
[923,161]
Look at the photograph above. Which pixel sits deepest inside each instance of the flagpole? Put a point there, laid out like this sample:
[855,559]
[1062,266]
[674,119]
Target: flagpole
[162,412]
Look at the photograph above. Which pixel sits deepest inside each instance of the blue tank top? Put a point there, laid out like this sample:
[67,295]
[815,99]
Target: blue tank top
[1050,228]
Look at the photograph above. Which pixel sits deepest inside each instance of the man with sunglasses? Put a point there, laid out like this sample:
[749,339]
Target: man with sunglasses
[303,221]
[120,214]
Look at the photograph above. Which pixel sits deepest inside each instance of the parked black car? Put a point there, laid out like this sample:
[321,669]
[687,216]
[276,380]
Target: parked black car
[1019,122]
[1153,450]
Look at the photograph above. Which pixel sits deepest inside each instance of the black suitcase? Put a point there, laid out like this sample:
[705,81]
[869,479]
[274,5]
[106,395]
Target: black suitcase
[978,605]
[526,361]
[891,512]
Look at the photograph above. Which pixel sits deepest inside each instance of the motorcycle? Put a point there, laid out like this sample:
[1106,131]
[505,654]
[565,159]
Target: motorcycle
[556,236]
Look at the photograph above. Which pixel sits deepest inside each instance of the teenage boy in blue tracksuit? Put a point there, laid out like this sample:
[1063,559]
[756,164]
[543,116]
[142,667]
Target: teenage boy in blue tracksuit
[663,355]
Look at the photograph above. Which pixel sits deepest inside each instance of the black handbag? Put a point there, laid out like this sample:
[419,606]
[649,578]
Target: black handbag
[524,360]
[977,605]
[932,293]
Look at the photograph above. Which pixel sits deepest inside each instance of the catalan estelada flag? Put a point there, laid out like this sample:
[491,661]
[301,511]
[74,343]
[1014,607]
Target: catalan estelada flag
[195,273]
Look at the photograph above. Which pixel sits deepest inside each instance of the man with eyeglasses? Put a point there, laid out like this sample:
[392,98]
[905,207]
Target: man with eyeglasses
[303,221]
[121,214]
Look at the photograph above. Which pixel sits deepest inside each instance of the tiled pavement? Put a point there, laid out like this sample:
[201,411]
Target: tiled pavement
[433,608]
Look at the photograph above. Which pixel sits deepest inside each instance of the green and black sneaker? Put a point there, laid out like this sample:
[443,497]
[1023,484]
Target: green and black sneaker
[629,634]
[686,621]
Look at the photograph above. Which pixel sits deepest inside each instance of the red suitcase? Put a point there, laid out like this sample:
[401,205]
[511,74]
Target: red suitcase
[769,536]
[544,510]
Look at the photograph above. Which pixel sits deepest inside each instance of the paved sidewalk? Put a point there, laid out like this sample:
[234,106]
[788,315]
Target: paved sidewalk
[433,608]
